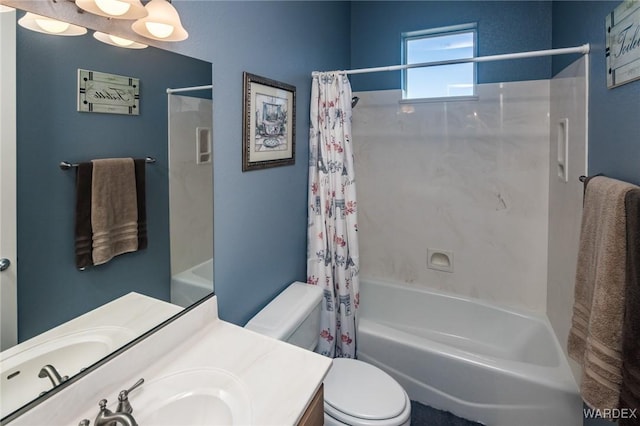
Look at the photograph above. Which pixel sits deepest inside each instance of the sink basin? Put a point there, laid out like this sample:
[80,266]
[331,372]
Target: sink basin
[69,354]
[193,397]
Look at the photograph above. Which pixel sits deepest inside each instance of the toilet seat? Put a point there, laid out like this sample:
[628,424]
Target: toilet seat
[358,393]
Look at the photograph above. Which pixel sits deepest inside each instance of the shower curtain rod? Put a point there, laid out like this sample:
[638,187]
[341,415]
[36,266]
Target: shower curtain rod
[189,89]
[584,49]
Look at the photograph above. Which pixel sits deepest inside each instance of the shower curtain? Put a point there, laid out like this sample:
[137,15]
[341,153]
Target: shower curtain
[332,247]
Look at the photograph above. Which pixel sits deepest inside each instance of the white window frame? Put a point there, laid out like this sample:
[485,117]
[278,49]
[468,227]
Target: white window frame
[438,32]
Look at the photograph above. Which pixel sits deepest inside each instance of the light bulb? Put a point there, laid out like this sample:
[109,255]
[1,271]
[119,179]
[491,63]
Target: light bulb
[46,25]
[121,41]
[52,26]
[117,9]
[161,23]
[117,41]
[159,30]
[113,7]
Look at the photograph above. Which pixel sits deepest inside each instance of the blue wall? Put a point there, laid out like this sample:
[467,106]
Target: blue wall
[260,221]
[49,129]
[614,123]
[503,27]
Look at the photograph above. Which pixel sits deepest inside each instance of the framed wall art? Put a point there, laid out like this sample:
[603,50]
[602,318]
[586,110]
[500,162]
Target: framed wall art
[108,93]
[269,123]
[622,28]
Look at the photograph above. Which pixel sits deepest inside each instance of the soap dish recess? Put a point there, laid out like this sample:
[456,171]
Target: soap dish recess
[440,260]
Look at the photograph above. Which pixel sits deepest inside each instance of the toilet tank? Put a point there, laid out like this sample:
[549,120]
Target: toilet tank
[293,316]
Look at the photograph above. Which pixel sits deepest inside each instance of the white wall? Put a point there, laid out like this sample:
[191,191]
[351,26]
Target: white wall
[568,101]
[469,177]
[8,218]
[190,185]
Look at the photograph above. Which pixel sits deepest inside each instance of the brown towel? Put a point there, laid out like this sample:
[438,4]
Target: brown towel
[114,208]
[142,202]
[83,215]
[630,391]
[595,338]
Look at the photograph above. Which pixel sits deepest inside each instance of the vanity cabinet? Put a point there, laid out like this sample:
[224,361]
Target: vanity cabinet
[314,414]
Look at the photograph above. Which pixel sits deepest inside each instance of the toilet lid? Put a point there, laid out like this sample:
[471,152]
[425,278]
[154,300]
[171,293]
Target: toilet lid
[362,390]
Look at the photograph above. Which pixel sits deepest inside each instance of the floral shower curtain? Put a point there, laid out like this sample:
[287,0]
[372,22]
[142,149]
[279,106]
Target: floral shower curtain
[332,251]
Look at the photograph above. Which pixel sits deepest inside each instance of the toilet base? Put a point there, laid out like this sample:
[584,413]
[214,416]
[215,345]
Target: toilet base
[330,421]
[404,419]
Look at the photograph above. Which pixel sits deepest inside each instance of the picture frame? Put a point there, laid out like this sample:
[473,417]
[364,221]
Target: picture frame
[622,27]
[269,123]
[108,93]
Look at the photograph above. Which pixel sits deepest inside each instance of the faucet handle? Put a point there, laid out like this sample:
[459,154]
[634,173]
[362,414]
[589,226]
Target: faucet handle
[103,407]
[123,399]
[135,386]
[124,406]
[84,422]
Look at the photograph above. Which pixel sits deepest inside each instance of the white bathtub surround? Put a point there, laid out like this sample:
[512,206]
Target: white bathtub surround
[486,363]
[190,183]
[277,380]
[332,252]
[568,102]
[468,177]
[191,285]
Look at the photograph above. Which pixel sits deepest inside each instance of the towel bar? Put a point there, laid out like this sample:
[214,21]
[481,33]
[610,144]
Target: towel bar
[66,166]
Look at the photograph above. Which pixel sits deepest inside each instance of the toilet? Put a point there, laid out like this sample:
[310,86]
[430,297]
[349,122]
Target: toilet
[355,393]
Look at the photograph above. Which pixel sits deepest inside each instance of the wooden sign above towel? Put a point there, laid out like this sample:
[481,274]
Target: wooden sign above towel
[623,44]
[108,93]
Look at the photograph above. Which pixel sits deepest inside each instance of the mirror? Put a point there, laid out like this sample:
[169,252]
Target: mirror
[51,290]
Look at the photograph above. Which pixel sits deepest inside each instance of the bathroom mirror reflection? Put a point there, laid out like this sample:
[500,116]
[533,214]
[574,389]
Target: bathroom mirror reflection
[68,319]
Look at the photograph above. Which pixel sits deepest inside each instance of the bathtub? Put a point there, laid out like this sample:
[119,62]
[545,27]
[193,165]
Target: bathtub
[485,363]
[189,286]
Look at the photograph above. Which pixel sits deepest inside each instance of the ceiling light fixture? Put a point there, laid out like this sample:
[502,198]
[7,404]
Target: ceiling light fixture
[117,9]
[162,23]
[45,25]
[117,41]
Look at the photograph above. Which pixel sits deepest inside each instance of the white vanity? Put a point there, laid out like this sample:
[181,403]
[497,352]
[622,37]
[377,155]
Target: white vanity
[198,370]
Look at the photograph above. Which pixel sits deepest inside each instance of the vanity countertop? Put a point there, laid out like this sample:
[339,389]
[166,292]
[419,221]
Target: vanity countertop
[75,345]
[133,312]
[277,380]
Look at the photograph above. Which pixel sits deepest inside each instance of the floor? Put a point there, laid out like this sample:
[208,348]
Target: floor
[423,415]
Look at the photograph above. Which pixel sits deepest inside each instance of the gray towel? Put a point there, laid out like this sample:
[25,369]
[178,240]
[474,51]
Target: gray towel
[83,234]
[114,212]
[630,392]
[141,193]
[595,338]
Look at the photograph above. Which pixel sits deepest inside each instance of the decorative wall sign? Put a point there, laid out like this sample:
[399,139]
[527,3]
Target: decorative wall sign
[108,93]
[623,43]
[269,123]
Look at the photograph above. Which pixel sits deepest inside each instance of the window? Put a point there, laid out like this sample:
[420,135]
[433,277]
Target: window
[440,81]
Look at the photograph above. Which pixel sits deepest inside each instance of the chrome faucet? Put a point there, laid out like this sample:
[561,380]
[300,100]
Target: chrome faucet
[107,418]
[123,412]
[53,375]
